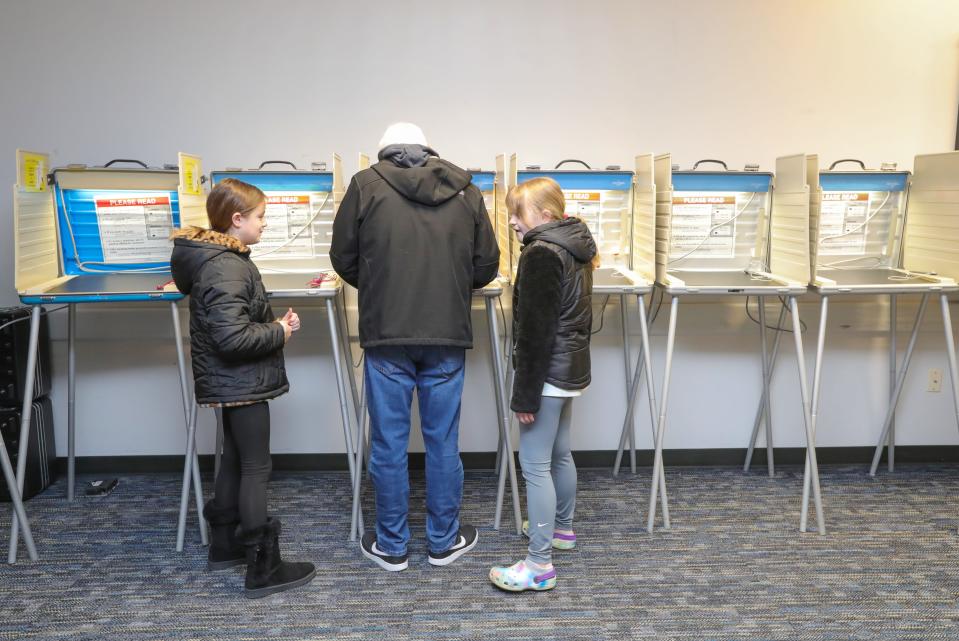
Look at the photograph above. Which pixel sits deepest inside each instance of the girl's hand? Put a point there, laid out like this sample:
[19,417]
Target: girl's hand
[287,330]
[525,417]
[293,319]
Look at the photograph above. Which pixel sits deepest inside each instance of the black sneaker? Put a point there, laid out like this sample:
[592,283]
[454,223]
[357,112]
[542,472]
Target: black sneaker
[385,561]
[465,541]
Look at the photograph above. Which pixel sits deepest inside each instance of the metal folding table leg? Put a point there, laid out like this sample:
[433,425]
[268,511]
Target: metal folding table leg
[814,405]
[347,350]
[807,416]
[71,400]
[508,465]
[900,379]
[951,352]
[187,409]
[661,422]
[628,362]
[340,391]
[185,489]
[891,443]
[356,519]
[770,463]
[764,411]
[18,510]
[25,416]
[629,429]
[632,392]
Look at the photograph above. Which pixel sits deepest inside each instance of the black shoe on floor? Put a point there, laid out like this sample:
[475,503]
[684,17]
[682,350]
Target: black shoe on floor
[465,541]
[266,572]
[385,561]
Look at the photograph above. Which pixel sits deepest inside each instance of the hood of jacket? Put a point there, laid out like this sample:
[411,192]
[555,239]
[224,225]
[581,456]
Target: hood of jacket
[571,234]
[431,184]
[193,247]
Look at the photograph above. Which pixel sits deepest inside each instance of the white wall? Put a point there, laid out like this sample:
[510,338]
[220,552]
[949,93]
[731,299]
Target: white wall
[242,81]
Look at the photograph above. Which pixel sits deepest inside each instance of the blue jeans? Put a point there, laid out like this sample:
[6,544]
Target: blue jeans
[392,372]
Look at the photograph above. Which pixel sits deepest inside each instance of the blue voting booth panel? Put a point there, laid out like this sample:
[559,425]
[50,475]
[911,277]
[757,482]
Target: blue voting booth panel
[863,181]
[570,180]
[722,181]
[280,180]
[80,237]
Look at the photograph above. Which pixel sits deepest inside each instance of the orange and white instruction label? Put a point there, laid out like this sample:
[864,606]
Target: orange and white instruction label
[843,223]
[298,225]
[703,225]
[134,227]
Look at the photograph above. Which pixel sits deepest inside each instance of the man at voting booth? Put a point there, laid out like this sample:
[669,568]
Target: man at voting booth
[413,223]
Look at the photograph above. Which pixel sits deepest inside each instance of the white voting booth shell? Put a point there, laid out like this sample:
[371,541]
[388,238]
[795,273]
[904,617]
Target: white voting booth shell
[776,265]
[626,251]
[299,275]
[50,269]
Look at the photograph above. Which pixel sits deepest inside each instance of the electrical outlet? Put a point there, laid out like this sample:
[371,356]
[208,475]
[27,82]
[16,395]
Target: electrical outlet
[935,381]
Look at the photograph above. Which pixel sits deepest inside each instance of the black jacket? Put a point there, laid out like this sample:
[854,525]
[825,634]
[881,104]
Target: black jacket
[415,242]
[552,311]
[235,345]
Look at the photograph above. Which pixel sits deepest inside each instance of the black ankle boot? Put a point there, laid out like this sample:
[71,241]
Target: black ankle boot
[226,551]
[266,572]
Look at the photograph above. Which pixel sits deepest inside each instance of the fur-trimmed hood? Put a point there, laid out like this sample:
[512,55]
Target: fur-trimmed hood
[194,246]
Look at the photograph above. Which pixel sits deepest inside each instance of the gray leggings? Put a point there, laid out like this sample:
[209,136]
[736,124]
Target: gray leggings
[550,474]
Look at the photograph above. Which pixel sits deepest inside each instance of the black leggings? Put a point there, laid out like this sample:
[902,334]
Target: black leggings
[246,464]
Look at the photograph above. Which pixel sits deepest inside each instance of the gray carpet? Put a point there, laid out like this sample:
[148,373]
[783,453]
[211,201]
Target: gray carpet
[734,565]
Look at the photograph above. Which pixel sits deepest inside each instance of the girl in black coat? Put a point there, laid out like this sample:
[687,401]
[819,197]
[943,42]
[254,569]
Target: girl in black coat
[237,353]
[552,315]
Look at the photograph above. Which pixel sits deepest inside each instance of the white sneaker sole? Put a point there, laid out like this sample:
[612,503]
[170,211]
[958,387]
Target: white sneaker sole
[389,567]
[455,555]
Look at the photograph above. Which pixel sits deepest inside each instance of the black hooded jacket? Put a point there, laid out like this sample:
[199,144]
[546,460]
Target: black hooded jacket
[235,345]
[552,311]
[415,241]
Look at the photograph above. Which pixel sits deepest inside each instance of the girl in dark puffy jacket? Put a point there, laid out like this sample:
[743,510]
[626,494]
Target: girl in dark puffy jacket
[552,316]
[237,352]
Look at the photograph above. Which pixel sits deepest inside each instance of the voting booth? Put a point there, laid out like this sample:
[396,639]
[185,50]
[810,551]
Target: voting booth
[618,206]
[86,234]
[734,233]
[293,259]
[886,232]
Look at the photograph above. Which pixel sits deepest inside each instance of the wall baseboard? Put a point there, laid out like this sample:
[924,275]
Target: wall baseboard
[486,460]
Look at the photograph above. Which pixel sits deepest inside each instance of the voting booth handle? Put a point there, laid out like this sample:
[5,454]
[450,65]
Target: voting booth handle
[563,162]
[129,160]
[712,160]
[276,162]
[861,164]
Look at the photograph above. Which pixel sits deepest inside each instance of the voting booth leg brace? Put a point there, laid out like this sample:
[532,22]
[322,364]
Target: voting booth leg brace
[507,462]
[887,426]
[191,462]
[812,472]
[764,412]
[627,362]
[15,482]
[643,365]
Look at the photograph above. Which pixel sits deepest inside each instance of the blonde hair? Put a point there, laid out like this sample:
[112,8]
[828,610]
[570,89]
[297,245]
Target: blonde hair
[541,195]
[537,194]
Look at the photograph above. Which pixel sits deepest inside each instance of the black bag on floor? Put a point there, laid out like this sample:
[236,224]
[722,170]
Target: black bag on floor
[41,452]
[14,343]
